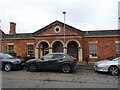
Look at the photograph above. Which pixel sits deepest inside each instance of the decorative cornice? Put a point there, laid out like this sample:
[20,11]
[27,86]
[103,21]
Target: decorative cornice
[102,36]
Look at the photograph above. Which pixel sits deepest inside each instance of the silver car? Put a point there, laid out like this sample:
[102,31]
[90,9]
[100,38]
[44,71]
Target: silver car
[110,66]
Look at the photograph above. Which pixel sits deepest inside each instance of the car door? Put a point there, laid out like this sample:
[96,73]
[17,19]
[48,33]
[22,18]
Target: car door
[57,60]
[46,62]
[54,61]
[51,61]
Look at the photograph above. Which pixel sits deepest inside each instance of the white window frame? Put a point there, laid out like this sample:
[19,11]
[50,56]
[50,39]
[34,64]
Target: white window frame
[117,42]
[96,50]
[30,50]
[10,44]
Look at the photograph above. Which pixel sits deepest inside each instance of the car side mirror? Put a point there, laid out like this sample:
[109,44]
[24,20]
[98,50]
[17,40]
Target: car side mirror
[42,59]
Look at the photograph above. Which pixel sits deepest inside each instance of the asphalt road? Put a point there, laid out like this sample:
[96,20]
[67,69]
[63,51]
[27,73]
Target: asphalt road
[82,78]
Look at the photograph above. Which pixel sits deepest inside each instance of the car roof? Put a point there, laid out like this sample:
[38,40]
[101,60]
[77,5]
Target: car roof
[57,53]
[3,53]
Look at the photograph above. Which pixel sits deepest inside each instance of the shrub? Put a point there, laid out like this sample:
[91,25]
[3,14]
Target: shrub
[12,53]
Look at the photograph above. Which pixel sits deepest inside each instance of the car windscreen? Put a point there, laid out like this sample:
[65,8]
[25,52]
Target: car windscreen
[6,56]
[116,59]
[55,56]
[69,56]
[47,57]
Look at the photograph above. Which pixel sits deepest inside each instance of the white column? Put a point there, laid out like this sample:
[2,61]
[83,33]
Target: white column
[41,53]
[80,55]
[36,53]
[65,50]
[50,50]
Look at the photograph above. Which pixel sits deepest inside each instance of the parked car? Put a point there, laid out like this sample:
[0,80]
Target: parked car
[9,62]
[110,66]
[57,61]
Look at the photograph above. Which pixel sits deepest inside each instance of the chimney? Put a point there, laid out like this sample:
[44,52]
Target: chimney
[12,28]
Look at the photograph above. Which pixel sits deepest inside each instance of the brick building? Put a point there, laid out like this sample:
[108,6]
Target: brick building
[83,45]
[119,14]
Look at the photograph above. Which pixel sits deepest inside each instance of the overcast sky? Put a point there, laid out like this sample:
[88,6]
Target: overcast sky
[31,15]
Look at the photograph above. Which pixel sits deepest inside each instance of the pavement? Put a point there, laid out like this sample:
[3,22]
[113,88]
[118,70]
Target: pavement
[85,66]
[54,79]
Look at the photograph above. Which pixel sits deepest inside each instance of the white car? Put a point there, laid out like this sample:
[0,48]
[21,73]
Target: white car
[110,66]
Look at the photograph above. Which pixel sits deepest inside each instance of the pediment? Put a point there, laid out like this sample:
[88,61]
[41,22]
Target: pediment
[57,28]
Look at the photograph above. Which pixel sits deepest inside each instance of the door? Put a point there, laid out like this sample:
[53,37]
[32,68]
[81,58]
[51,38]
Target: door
[72,49]
[57,47]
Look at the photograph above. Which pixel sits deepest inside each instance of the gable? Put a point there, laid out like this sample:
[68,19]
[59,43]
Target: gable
[57,28]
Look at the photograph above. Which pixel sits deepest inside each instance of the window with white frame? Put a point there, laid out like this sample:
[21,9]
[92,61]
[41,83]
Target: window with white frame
[30,50]
[10,48]
[93,50]
[117,49]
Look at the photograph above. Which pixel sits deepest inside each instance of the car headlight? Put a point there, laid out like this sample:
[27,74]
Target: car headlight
[16,62]
[27,61]
[101,65]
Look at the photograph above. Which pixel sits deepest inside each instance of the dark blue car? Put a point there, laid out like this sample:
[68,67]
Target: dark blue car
[8,62]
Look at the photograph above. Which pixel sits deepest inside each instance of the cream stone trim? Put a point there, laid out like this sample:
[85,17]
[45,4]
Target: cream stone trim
[56,41]
[42,41]
[73,40]
[36,53]
[80,53]
[50,50]
[59,41]
[37,48]
[18,38]
[55,29]
[30,43]
[101,36]
[117,41]
[10,43]
[95,42]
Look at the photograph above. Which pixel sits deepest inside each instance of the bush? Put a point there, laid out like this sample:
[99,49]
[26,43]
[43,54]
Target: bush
[12,53]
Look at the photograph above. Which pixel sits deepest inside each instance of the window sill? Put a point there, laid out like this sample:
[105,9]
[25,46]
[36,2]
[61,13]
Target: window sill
[93,57]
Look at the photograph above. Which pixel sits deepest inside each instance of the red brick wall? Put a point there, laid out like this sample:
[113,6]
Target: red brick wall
[20,46]
[103,51]
[51,31]
[12,28]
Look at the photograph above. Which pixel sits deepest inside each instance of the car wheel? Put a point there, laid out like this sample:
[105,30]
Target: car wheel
[7,67]
[66,68]
[113,70]
[32,67]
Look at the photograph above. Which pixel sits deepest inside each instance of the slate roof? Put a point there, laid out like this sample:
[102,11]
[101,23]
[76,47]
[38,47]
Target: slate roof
[22,35]
[102,32]
[80,32]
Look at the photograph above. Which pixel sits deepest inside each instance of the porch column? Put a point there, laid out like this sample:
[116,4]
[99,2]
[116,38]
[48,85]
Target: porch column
[65,50]
[41,52]
[80,54]
[36,52]
[50,49]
